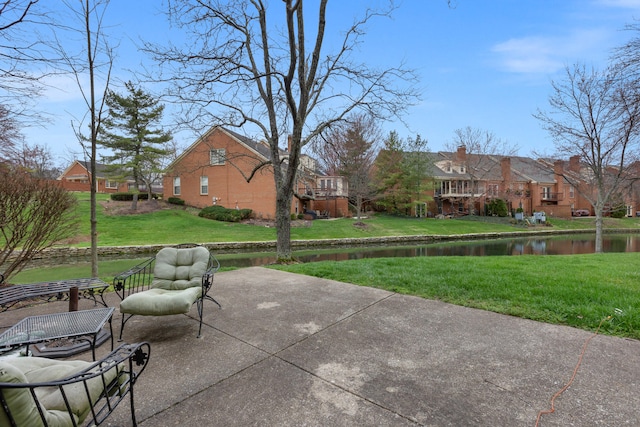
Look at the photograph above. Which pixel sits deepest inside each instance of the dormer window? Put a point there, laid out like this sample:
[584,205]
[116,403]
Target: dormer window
[461,169]
[448,167]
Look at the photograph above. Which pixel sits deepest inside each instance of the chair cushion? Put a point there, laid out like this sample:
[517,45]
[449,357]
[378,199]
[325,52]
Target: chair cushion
[180,268]
[39,369]
[158,302]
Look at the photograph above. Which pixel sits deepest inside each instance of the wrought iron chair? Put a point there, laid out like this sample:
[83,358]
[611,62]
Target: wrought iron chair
[37,391]
[169,283]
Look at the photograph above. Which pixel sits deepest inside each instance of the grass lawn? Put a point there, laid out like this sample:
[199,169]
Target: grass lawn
[178,225]
[574,290]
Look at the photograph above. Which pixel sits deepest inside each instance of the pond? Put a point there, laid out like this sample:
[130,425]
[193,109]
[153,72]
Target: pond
[556,245]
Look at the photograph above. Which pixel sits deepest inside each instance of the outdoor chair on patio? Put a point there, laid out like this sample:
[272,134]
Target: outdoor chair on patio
[37,391]
[182,276]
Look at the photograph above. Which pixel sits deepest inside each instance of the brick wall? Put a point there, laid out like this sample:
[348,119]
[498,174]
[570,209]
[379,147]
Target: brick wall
[227,182]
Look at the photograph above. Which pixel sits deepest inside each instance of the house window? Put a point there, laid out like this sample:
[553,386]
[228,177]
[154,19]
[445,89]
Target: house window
[546,193]
[571,192]
[493,189]
[111,184]
[217,156]
[204,185]
[176,185]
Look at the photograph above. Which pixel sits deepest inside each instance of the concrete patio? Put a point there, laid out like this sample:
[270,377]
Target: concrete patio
[292,350]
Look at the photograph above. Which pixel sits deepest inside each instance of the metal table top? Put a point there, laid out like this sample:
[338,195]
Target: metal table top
[34,329]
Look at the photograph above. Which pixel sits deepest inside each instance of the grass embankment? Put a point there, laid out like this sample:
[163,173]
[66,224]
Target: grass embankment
[178,225]
[576,290]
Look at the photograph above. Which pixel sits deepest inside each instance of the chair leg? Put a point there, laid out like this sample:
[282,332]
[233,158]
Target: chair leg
[200,304]
[124,320]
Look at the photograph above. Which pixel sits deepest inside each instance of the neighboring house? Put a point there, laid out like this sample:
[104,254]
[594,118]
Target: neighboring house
[220,169]
[464,182]
[77,177]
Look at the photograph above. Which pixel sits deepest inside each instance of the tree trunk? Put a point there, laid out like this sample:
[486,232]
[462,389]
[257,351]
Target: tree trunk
[134,202]
[599,228]
[358,206]
[283,228]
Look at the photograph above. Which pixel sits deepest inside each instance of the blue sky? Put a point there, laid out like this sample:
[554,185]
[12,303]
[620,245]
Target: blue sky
[487,64]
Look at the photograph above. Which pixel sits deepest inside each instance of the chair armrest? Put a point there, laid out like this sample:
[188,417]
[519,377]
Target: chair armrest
[207,278]
[137,278]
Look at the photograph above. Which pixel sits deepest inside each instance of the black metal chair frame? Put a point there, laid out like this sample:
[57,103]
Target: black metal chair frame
[135,358]
[139,278]
[89,288]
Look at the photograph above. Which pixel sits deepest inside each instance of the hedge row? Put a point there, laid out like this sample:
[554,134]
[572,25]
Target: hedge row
[220,213]
[127,197]
[175,201]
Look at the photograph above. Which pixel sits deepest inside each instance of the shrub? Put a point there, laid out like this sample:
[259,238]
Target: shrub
[497,207]
[619,212]
[34,215]
[127,197]
[220,213]
[175,201]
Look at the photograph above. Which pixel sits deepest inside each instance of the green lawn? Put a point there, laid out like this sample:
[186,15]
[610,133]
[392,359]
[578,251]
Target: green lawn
[178,225]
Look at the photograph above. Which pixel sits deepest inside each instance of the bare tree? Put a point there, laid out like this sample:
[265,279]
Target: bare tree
[349,150]
[95,55]
[240,68]
[24,56]
[37,160]
[34,214]
[479,146]
[9,134]
[595,115]
[21,49]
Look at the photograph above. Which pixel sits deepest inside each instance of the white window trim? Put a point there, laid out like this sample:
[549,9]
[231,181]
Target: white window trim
[204,184]
[176,180]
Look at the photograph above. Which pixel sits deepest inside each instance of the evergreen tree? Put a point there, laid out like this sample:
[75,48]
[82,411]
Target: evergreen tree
[128,131]
[402,174]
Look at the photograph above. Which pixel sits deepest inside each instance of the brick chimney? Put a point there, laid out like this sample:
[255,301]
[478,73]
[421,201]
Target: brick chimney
[558,167]
[461,154]
[505,168]
[289,139]
[574,163]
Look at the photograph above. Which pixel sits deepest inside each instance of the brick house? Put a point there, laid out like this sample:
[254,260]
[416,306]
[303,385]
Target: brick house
[220,168]
[465,181]
[77,177]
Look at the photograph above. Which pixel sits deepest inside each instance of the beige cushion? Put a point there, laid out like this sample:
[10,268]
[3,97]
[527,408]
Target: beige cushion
[40,369]
[180,268]
[177,283]
[158,302]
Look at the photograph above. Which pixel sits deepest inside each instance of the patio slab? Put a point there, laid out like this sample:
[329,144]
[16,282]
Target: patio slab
[293,350]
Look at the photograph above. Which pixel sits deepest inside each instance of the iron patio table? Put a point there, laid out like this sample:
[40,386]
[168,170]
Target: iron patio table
[84,325]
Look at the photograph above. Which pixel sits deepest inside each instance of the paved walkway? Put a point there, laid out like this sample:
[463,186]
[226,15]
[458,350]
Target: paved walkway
[291,350]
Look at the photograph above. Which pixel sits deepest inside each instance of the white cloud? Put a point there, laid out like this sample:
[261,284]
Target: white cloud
[548,54]
[61,88]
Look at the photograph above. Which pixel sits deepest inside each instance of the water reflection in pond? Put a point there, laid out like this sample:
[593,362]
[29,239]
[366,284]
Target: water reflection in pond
[557,245]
